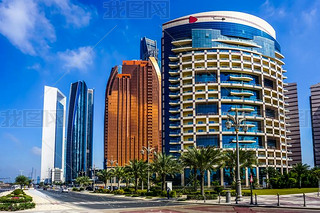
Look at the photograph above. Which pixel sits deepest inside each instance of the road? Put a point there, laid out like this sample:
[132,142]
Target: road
[96,201]
[54,201]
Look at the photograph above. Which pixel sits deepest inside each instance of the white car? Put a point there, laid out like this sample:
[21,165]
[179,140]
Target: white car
[64,189]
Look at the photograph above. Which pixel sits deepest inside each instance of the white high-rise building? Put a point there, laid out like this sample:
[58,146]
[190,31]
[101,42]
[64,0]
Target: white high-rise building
[53,135]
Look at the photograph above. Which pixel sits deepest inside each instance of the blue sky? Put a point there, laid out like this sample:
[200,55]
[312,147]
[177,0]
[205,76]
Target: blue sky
[57,42]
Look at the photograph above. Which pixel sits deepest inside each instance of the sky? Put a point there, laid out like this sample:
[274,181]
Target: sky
[58,42]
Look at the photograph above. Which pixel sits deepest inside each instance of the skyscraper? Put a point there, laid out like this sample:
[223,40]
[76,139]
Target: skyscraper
[148,48]
[293,124]
[132,111]
[315,117]
[79,131]
[53,134]
[215,63]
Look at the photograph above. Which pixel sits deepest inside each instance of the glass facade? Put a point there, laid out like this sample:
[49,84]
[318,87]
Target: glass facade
[79,131]
[148,48]
[59,136]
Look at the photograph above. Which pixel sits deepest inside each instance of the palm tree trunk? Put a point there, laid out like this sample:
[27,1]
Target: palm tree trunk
[127,182]
[119,180]
[163,182]
[195,178]
[105,185]
[202,182]
[299,182]
[136,184]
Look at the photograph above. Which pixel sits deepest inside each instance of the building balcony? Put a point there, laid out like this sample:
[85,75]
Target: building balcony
[174,133]
[174,79]
[174,118]
[174,94]
[173,65]
[240,78]
[174,126]
[174,87]
[181,42]
[242,92]
[240,83]
[182,49]
[174,110]
[243,109]
[174,102]
[173,58]
[173,72]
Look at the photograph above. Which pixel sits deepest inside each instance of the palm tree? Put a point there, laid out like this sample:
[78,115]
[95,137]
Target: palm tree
[246,159]
[83,181]
[300,169]
[105,175]
[137,169]
[164,165]
[316,172]
[119,173]
[22,180]
[203,159]
[190,160]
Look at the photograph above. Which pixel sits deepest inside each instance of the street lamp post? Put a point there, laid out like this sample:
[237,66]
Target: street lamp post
[237,123]
[93,176]
[111,163]
[149,150]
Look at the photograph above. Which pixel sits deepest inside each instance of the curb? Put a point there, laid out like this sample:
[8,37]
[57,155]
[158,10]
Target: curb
[248,205]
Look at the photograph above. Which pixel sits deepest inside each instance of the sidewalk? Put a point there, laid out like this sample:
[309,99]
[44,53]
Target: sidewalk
[286,201]
[46,203]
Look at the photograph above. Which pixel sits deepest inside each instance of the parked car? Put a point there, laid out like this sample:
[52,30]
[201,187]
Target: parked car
[89,188]
[64,189]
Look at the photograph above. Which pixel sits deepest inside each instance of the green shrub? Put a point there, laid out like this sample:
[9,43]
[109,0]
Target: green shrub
[135,195]
[81,189]
[141,192]
[173,193]
[218,189]
[16,206]
[118,192]
[246,193]
[18,192]
[163,194]
[105,191]
[75,189]
[200,197]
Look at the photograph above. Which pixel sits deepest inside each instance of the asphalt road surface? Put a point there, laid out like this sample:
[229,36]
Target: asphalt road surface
[106,202]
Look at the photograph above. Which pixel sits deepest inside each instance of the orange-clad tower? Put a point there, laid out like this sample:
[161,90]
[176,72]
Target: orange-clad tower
[132,111]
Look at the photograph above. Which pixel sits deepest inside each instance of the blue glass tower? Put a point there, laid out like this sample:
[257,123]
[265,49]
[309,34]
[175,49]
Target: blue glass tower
[215,63]
[79,131]
[148,48]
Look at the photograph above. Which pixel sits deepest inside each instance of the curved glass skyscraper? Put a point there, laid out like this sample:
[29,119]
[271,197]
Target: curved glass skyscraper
[212,64]
[79,131]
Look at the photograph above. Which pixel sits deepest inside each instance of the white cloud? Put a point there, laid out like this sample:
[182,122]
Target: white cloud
[25,26]
[12,138]
[75,15]
[270,11]
[36,150]
[35,66]
[310,16]
[79,59]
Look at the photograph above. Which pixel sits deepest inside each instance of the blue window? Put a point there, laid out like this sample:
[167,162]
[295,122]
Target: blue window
[268,83]
[175,147]
[228,141]
[271,143]
[227,108]
[206,77]
[270,113]
[207,140]
[206,109]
